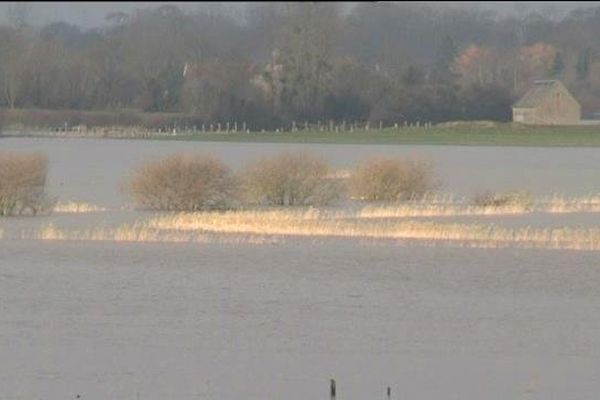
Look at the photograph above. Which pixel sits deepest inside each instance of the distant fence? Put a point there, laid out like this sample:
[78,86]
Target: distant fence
[65,130]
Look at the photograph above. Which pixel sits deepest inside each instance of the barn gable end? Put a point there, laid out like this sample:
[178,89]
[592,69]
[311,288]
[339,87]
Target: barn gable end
[548,102]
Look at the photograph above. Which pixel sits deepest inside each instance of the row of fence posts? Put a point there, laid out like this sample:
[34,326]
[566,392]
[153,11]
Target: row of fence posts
[295,127]
[234,127]
[333,391]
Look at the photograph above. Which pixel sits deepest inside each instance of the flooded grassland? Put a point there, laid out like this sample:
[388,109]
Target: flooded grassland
[436,300]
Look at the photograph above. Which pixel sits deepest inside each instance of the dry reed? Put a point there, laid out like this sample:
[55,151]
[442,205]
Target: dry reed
[72,207]
[272,225]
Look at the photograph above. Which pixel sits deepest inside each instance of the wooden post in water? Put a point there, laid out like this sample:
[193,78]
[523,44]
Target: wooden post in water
[332,389]
[389,393]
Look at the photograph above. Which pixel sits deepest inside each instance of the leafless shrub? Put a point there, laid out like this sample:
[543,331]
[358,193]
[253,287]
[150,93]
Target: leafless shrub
[388,179]
[517,198]
[291,179]
[22,184]
[183,183]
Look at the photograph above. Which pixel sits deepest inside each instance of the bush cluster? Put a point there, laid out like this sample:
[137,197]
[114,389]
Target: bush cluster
[203,182]
[22,184]
[290,179]
[183,183]
[286,179]
[389,179]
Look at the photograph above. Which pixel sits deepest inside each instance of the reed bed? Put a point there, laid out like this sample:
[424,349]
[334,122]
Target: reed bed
[307,224]
[265,227]
[72,207]
[142,233]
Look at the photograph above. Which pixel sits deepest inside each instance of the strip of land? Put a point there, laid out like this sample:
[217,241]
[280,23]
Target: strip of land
[501,135]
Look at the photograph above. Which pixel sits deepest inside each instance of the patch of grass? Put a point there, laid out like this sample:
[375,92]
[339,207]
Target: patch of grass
[521,199]
[500,135]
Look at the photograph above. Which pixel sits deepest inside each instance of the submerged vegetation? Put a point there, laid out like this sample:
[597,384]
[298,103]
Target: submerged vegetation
[390,179]
[23,184]
[391,199]
[521,199]
[183,183]
[291,179]
[272,226]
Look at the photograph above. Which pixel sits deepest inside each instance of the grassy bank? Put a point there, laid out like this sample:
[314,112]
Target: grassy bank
[503,135]
[170,126]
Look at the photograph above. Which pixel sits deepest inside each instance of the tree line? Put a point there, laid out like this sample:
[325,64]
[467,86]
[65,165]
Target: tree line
[296,62]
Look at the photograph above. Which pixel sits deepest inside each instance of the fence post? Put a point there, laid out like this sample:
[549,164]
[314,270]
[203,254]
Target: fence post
[332,389]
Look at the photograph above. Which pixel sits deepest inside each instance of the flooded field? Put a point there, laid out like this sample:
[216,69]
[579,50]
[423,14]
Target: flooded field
[92,169]
[259,305]
[155,321]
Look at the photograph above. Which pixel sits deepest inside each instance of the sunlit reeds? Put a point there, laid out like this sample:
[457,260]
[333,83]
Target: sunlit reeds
[72,207]
[142,233]
[272,226]
[306,224]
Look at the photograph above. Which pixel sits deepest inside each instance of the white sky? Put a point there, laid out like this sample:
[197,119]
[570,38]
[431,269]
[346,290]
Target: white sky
[92,14]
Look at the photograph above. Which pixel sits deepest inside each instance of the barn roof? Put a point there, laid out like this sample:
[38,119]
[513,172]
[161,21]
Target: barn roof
[540,91]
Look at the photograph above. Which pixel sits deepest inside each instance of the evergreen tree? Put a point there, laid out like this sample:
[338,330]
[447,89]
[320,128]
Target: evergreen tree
[442,68]
[558,66]
[583,63]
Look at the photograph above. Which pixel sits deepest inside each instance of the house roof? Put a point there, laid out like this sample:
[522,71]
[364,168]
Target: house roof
[540,91]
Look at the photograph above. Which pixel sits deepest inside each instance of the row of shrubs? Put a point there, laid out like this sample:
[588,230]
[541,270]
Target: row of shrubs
[190,183]
[203,182]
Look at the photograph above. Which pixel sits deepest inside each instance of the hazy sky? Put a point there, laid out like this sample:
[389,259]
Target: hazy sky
[92,14]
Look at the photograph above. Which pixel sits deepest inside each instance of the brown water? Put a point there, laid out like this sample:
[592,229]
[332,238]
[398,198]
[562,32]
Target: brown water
[92,169]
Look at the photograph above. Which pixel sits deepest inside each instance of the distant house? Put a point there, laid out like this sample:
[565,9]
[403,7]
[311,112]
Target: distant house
[548,102]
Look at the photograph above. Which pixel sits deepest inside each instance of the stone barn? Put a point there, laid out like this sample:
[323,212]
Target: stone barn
[548,102]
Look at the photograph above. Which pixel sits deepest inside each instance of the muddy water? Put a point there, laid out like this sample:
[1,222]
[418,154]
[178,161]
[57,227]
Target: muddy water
[92,169]
[277,322]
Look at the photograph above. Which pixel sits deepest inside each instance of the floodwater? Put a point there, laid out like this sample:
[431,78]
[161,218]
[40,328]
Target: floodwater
[92,169]
[161,321]
[128,321]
